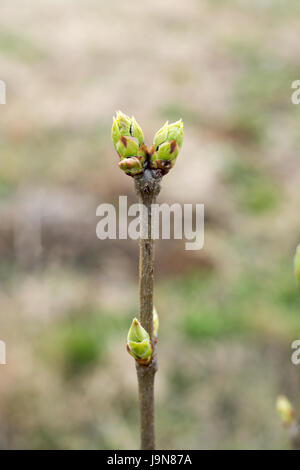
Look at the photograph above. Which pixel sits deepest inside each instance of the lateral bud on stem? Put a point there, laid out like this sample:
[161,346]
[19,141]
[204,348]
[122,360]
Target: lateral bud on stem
[285,410]
[297,264]
[155,325]
[139,343]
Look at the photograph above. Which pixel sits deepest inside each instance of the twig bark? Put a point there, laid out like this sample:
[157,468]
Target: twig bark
[147,187]
[294,435]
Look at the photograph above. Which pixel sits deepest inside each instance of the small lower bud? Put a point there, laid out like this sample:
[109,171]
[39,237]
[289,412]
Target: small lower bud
[155,324]
[131,166]
[297,264]
[139,344]
[285,410]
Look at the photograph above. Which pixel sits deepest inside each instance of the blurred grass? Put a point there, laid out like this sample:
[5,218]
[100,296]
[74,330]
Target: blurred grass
[6,187]
[253,189]
[53,155]
[19,47]
[174,111]
[80,340]
[262,88]
[257,303]
[273,9]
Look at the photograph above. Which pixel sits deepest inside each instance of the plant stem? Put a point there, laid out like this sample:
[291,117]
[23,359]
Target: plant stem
[146,399]
[147,188]
[294,433]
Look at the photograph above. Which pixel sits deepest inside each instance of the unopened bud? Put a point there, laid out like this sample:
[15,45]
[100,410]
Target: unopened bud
[128,138]
[127,147]
[168,133]
[297,264]
[155,324]
[136,131]
[139,343]
[285,410]
[131,166]
[167,142]
[161,136]
[121,124]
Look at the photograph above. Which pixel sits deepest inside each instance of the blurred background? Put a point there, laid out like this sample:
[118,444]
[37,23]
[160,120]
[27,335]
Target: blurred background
[229,312]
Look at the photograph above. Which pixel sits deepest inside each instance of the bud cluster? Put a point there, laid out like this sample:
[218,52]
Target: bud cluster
[128,140]
[167,142]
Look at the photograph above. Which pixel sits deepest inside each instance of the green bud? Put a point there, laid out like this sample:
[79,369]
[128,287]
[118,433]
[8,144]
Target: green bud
[175,132]
[165,158]
[161,135]
[123,125]
[297,264]
[131,166]
[128,139]
[285,410]
[168,133]
[167,142]
[124,122]
[168,151]
[139,343]
[155,324]
[115,132]
[136,131]
[127,147]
